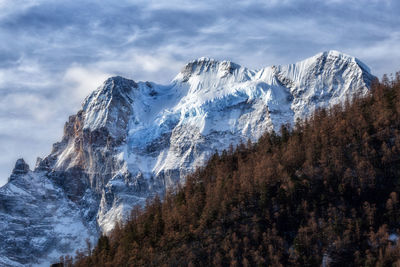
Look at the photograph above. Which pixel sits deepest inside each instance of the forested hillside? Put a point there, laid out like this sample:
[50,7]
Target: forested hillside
[325,192]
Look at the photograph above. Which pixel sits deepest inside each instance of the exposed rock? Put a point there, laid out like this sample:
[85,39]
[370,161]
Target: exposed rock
[20,167]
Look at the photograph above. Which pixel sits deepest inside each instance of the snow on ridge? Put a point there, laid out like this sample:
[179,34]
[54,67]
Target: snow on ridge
[200,78]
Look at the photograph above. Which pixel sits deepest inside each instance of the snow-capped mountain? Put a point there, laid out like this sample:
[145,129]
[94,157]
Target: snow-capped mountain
[132,140]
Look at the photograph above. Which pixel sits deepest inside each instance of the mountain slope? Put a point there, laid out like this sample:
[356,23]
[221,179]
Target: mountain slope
[323,194]
[133,140]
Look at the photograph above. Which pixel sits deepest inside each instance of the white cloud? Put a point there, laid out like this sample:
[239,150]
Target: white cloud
[80,81]
[383,55]
[25,73]
[10,7]
[388,48]
[192,5]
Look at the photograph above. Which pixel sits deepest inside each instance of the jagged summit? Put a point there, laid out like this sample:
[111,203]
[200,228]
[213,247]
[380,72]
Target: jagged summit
[205,65]
[132,140]
[334,53]
[336,56]
[116,86]
[20,168]
[103,107]
[343,56]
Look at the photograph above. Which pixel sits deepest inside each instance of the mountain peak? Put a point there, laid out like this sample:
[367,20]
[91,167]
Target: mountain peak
[203,65]
[112,87]
[105,107]
[203,59]
[20,167]
[342,56]
[335,53]
[118,84]
[117,80]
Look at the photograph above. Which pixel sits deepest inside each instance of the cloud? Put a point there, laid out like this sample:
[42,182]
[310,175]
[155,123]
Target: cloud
[11,7]
[53,53]
[83,80]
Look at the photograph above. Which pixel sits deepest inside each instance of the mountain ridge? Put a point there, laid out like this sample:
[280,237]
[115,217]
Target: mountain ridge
[323,193]
[133,140]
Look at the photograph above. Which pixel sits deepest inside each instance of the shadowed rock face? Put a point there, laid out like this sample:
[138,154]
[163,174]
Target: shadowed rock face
[20,168]
[132,140]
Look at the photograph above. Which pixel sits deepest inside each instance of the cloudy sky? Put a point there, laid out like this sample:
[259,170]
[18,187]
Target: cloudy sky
[53,53]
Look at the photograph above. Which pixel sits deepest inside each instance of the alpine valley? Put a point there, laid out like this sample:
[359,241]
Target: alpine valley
[134,140]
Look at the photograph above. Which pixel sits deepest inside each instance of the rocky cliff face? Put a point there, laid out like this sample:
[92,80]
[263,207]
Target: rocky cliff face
[132,140]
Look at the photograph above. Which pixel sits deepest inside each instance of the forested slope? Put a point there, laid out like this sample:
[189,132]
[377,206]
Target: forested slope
[326,191]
